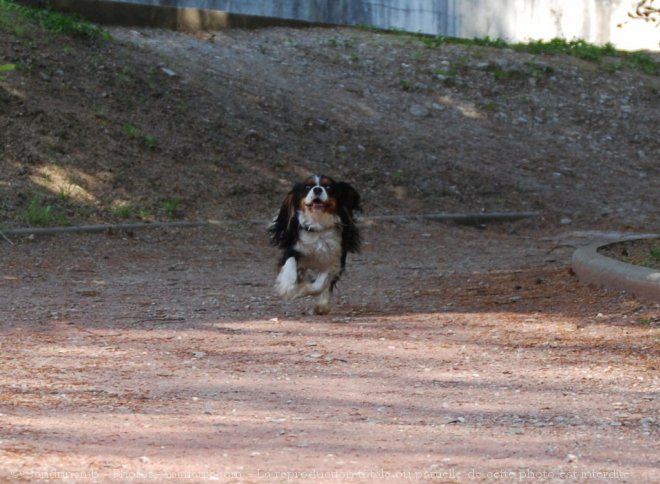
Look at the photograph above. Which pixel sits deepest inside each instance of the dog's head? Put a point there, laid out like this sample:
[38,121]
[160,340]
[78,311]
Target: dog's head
[316,203]
[318,195]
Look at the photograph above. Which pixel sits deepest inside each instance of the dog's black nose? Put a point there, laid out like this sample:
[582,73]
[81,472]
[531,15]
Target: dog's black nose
[318,190]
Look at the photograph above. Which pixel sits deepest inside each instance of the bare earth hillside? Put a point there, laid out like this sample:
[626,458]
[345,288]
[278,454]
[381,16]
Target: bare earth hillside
[452,353]
[225,123]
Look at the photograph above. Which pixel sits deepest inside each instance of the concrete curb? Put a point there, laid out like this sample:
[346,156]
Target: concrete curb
[593,268]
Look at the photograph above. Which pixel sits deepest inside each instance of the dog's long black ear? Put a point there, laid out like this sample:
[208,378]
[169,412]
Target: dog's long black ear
[349,201]
[284,229]
[350,198]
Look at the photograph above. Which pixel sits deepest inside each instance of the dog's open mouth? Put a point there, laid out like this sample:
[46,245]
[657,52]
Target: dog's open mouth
[317,204]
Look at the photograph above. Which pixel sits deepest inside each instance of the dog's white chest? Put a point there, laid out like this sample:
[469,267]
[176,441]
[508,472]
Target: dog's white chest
[321,250]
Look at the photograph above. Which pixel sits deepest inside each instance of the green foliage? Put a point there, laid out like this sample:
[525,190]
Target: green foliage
[575,48]
[581,49]
[639,61]
[56,22]
[439,40]
[145,214]
[611,67]
[445,72]
[130,130]
[6,68]
[405,84]
[150,141]
[37,213]
[41,214]
[447,76]
[65,192]
[502,74]
[171,206]
[123,210]
[654,253]
[642,62]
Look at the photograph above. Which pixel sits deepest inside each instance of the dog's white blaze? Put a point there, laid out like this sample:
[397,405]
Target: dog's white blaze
[311,196]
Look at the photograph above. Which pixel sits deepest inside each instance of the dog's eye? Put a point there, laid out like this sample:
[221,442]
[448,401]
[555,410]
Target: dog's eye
[328,187]
[308,188]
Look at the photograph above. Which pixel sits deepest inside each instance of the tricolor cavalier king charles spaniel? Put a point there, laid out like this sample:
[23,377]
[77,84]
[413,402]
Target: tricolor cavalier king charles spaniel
[315,229]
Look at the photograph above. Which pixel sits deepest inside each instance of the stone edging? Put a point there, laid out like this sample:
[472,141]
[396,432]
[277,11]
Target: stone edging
[593,268]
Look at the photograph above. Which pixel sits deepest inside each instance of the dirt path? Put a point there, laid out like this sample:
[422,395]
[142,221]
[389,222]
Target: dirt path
[451,355]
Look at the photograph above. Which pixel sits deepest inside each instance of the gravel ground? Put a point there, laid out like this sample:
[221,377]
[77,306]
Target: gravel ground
[451,355]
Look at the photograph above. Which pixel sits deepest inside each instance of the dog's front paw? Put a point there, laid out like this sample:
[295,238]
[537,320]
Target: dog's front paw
[286,283]
[285,290]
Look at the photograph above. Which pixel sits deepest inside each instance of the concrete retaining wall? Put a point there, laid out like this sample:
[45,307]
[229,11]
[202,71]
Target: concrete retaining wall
[596,21]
